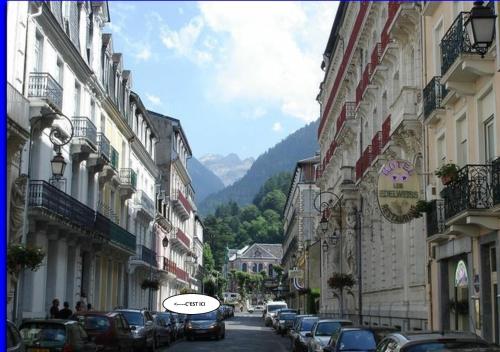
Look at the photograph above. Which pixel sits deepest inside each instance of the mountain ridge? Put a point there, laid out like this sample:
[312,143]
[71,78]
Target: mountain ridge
[229,168]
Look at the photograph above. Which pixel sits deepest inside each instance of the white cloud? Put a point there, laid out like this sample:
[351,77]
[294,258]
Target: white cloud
[273,60]
[153,99]
[277,127]
[144,54]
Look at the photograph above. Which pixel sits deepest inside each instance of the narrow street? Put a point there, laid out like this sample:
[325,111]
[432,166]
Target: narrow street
[244,333]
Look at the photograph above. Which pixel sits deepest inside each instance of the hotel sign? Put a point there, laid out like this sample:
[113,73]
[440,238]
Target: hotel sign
[398,188]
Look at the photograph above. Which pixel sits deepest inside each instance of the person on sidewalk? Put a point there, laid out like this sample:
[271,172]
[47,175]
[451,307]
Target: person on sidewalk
[54,310]
[65,313]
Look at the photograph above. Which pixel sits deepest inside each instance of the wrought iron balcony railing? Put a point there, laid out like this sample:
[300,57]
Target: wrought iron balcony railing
[121,236]
[169,265]
[43,85]
[128,177]
[348,113]
[103,145]
[142,199]
[435,222]
[455,42]
[147,255]
[470,190]
[107,211]
[84,128]
[434,93]
[114,156]
[495,180]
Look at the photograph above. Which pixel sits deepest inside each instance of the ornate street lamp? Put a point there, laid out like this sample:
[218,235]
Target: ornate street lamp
[164,242]
[480,27]
[58,165]
[324,223]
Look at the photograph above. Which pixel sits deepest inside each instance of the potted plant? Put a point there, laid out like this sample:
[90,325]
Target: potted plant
[152,284]
[447,173]
[21,257]
[421,207]
[341,280]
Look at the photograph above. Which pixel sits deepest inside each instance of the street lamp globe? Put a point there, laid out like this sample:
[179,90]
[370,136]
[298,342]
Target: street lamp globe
[58,165]
[324,223]
[164,242]
[325,246]
[480,27]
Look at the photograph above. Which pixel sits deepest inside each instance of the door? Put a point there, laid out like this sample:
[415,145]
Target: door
[495,323]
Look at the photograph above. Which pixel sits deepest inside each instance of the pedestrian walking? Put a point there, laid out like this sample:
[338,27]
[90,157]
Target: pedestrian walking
[89,307]
[65,313]
[79,307]
[54,310]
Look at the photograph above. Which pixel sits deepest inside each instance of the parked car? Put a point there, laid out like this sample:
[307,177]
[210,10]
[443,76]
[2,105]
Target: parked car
[285,322]
[270,311]
[207,324]
[257,309]
[163,330]
[321,332]
[179,323]
[303,325]
[432,341]
[170,321]
[143,328]
[54,335]
[110,331]
[276,318]
[351,339]
[14,341]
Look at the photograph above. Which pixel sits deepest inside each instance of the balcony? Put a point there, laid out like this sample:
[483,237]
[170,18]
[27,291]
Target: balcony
[461,64]
[346,122]
[128,182]
[386,131]
[84,139]
[181,240]
[181,274]
[495,181]
[103,146]
[147,255]
[181,205]
[114,156]
[364,162]
[376,145]
[42,86]
[363,84]
[51,204]
[434,93]
[18,107]
[469,198]
[406,130]
[435,222]
[106,211]
[375,58]
[144,203]
[169,265]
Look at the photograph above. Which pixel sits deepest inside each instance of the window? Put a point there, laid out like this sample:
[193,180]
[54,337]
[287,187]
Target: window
[489,140]
[441,151]
[78,89]
[438,35]
[461,130]
[38,59]
[92,111]
[244,267]
[60,72]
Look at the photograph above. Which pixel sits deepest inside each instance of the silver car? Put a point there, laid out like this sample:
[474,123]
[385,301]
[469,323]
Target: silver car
[143,328]
[322,331]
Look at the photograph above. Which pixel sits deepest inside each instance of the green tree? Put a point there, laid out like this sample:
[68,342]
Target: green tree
[208,259]
[249,213]
[274,200]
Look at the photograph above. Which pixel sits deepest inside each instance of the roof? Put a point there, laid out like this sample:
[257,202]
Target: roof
[261,250]
[177,128]
[145,112]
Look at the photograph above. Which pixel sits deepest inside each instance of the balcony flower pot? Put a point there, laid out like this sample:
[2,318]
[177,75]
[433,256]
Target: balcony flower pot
[152,284]
[340,281]
[448,173]
[420,208]
[20,257]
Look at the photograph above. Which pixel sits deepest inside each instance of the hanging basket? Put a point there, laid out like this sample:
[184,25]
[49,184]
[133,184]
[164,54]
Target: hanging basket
[21,257]
[340,280]
[152,284]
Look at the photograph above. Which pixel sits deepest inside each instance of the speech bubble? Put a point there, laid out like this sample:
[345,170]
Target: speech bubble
[191,303]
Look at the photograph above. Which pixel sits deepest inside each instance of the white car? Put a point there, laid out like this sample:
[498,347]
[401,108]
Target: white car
[270,311]
[322,331]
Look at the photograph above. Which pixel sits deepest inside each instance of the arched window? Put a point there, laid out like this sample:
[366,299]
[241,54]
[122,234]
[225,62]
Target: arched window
[270,270]
[254,267]
[244,267]
[261,267]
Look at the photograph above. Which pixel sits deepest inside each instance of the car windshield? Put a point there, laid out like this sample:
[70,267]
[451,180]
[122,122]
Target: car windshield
[327,328]
[288,316]
[442,345]
[275,307]
[133,318]
[307,324]
[357,340]
[45,334]
[204,316]
[94,322]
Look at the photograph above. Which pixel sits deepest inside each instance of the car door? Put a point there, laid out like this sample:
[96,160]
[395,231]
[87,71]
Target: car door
[149,324]
[122,333]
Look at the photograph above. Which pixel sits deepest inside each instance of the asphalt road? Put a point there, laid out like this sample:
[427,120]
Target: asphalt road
[244,333]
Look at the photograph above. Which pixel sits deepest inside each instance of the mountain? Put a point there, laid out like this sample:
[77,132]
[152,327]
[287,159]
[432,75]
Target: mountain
[205,182]
[229,168]
[282,157]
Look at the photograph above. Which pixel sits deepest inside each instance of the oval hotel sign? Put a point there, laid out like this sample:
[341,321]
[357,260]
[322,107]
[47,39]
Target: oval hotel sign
[398,188]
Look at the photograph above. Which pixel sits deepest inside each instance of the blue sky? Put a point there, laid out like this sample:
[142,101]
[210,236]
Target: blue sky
[240,76]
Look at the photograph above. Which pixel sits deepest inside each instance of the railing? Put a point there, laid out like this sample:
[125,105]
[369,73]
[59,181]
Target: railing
[363,83]
[43,195]
[147,203]
[42,85]
[376,55]
[184,201]
[169,265]
[471,189]
[376,144]
[107,211]
[348,113]
[181,236]
[405,105]
[392,9]
[84,128]
[455,42]
[329,153]
[103,145]
[434,93]
[128,177]
[18,107]
[147,255]
[435,221]
[114,157]
[181,274]
[364,162]
[495,180]
[386,131]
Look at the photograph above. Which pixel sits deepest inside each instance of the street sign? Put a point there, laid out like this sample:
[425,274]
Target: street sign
[270,283]
[295,274]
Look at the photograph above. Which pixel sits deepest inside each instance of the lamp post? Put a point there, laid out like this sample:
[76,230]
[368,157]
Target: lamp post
[480,27]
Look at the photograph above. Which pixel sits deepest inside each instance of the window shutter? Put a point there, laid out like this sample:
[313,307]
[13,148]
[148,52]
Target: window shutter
[74,24]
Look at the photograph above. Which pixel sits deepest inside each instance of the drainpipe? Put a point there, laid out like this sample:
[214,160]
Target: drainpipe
[360,276]
[28,21]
